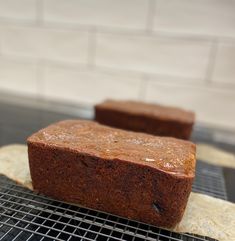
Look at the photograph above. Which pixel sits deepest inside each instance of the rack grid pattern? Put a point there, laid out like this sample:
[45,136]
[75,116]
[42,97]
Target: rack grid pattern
[25,215]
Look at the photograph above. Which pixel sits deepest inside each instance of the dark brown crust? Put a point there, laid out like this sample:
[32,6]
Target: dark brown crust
[133,190]
[179,124]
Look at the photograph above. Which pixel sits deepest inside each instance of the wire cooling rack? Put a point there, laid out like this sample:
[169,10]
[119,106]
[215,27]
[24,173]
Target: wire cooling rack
[210,180]
[27,216]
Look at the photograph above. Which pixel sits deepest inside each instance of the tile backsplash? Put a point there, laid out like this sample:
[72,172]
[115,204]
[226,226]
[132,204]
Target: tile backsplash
[173,52]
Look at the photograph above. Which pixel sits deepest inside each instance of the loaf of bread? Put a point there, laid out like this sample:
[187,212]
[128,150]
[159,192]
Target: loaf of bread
[149,118]
[134,175]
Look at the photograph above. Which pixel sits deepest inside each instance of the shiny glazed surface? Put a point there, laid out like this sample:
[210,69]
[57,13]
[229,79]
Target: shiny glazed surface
[166,154]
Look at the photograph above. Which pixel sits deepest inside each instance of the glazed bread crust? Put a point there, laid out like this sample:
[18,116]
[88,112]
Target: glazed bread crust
[102,175]
[149,118]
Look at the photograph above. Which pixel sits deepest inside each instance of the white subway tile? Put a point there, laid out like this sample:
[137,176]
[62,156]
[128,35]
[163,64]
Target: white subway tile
[224,68]
[67,84]
[18,76]
[111,13]
[212,105]
[206,17]
[18,10]
[155,55]
[59,45]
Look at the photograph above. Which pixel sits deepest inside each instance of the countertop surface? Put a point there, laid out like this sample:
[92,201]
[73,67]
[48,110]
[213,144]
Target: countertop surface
[17,122]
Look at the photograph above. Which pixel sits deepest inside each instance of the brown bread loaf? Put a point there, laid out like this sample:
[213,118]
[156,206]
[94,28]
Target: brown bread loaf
[149,118]
[134,175]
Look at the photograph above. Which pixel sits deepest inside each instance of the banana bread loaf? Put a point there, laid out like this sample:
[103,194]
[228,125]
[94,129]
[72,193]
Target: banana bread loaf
[149,118]
[134,175]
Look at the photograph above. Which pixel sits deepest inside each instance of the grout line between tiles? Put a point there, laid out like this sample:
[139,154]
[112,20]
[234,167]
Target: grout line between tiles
[179,80]
[115,30]
[97,68]
[92,48]
[150,16]
[39,12]
[223,86]
[211,62]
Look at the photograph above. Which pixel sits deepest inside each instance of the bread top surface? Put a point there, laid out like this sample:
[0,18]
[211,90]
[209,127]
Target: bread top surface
[147,109]
[164,153]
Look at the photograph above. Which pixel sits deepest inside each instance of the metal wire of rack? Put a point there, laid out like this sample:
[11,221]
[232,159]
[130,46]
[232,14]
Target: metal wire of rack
[25,215]
[210,180]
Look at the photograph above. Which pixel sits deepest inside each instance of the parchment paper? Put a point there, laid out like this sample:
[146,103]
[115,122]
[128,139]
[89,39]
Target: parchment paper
[214,155]
[204,215]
